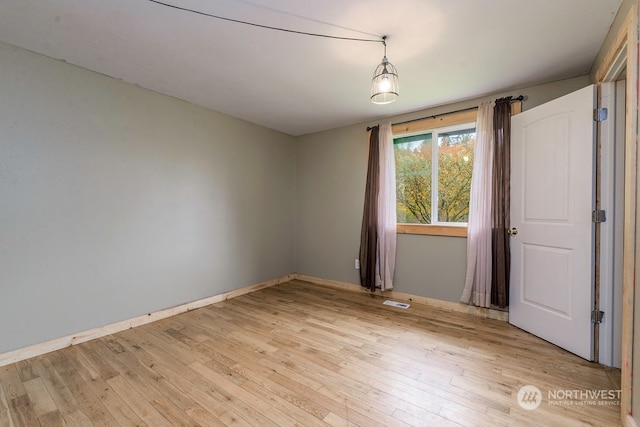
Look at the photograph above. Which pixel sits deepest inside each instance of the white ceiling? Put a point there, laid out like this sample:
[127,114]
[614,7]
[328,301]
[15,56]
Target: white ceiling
[444,50]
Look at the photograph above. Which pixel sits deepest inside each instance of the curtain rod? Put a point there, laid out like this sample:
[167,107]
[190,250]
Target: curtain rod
[516,99]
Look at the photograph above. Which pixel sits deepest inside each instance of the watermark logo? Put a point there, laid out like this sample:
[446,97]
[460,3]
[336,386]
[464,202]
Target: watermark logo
[529,397]
[584,397]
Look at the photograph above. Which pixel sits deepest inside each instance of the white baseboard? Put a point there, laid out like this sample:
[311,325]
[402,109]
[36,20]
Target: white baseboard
[432,302]
[630,421]
[59,343]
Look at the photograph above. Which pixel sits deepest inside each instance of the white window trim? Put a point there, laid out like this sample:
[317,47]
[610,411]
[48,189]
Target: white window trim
[402,227]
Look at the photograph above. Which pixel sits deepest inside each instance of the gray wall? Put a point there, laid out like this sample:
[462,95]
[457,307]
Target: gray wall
[330,177]
[116,201]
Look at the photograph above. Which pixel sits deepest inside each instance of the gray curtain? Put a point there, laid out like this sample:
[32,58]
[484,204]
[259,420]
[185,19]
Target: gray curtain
[501,259]
[369,232]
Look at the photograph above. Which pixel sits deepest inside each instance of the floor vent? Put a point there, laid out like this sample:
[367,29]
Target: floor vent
[396,304]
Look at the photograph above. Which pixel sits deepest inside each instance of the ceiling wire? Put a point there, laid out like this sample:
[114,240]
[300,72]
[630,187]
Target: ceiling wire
[306,18]
[381,40]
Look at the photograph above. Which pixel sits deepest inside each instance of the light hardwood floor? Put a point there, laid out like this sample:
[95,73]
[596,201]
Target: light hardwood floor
[303,354]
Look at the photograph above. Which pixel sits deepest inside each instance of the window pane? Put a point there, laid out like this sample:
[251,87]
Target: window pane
[413,179]
[455,164]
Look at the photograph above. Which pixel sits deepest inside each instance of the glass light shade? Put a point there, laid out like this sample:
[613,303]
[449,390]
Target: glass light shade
[385,87]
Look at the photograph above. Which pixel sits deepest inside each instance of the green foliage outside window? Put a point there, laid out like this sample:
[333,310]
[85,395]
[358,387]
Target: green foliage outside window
[415,178]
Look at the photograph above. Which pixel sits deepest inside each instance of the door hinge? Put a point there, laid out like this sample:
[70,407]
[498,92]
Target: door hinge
[600,114]
[598,215]
[597,316]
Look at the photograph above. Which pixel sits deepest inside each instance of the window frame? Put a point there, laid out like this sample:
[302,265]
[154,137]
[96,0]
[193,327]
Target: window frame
[436,121]
[423,126]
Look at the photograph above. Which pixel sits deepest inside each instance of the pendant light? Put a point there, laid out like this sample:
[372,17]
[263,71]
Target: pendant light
[385,88]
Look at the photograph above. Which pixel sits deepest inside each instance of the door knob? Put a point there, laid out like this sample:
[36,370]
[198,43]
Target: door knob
[512,231]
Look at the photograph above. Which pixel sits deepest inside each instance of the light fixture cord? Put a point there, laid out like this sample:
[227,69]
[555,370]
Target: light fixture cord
[382,40]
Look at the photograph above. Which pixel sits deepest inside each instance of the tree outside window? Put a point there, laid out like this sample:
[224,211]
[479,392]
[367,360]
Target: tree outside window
[433,181]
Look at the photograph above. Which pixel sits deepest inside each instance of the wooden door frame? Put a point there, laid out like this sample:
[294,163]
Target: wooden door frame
[625,47]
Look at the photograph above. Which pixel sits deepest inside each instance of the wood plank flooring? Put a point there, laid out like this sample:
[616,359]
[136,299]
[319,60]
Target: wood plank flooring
[299,354]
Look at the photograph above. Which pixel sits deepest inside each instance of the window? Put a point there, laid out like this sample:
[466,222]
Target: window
[433,175]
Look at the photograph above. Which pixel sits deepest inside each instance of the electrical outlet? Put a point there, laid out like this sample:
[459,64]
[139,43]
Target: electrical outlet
[357,264]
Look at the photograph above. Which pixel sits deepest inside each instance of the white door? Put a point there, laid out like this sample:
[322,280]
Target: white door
[551,204]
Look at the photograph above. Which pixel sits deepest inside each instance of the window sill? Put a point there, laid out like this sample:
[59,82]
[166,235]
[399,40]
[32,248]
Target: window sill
[433,230]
